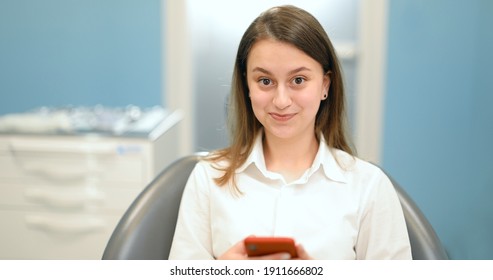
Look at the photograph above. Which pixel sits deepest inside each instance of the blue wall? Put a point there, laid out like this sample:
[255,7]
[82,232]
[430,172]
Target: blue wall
[80,52]
[438,139]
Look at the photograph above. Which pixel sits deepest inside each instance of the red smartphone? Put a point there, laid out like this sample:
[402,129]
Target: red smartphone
[259,246]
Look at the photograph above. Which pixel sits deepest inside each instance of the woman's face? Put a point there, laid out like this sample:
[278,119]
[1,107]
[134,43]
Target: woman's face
[286,87]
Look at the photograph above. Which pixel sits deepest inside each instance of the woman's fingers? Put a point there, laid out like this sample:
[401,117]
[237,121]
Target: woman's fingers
[302,254]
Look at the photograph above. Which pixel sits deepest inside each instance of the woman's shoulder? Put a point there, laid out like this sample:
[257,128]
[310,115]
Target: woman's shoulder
[210,164]
[356,166]
[364,177]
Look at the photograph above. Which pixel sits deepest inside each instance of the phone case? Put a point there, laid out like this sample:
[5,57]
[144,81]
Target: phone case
[259,246]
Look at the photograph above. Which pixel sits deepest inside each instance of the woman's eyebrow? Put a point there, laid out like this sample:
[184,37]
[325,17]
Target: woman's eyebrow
[294,71]
[300,69]
[260,69]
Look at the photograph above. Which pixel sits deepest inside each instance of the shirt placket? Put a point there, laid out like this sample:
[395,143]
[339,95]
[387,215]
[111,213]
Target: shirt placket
[283,225]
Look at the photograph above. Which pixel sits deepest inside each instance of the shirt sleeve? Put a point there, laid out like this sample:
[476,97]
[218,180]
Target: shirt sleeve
[192,239]
[383,232]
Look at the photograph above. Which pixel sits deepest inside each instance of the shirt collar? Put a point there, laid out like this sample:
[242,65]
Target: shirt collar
[325,158]
[256,156]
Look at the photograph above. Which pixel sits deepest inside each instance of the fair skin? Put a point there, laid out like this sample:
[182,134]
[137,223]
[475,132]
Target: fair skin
[286,87]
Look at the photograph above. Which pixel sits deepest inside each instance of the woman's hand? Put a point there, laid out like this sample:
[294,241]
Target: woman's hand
[302,254]
[238,252]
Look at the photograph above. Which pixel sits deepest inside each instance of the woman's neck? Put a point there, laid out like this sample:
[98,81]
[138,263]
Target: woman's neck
[290,157]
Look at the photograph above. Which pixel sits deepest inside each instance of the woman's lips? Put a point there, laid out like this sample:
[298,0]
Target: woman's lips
[282,117]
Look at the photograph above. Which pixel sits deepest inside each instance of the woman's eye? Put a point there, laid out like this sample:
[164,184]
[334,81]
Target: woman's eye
[298,80]
[265,81]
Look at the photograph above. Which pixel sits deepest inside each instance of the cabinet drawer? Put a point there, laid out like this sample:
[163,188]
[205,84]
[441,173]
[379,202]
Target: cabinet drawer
[29,235]
[67,198]
[71,169]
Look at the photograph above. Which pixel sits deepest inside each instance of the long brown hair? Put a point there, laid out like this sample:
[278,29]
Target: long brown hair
[299,28]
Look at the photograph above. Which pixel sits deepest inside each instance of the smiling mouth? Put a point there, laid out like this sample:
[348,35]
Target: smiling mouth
[282,117]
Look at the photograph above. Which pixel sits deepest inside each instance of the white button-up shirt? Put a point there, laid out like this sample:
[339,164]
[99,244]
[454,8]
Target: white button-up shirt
[340,208]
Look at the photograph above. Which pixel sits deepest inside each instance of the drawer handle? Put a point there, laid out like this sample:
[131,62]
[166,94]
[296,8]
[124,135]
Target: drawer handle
[61,200]
[64,225]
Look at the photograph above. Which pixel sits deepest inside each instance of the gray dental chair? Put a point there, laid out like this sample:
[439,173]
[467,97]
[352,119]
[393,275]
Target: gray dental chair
[146,230]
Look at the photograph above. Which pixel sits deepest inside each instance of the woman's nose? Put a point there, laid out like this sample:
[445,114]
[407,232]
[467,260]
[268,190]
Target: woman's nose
[282,99]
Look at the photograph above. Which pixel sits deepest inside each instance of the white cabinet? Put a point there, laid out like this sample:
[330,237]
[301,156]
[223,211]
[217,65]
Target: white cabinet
[61,196]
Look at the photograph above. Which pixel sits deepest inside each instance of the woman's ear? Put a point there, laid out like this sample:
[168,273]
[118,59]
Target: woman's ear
[326,85]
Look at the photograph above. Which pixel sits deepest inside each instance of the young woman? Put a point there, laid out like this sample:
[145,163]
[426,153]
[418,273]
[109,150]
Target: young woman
[289,170]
